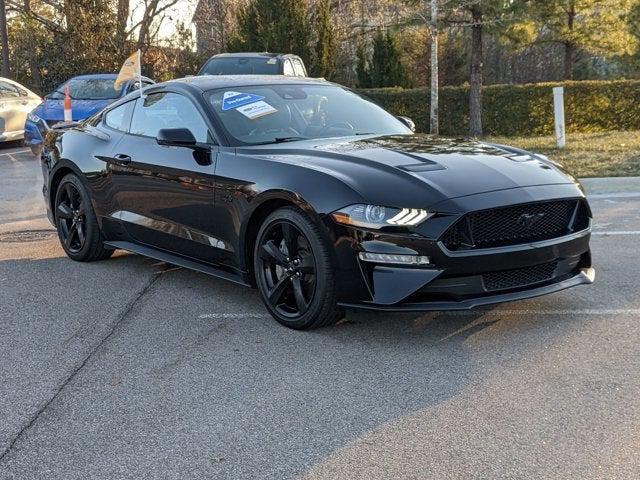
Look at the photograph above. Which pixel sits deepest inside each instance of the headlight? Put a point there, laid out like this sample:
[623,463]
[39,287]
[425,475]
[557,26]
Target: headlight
[33,117]
[376,216]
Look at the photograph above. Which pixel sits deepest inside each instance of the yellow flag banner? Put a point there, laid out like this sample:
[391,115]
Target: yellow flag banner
[130,70]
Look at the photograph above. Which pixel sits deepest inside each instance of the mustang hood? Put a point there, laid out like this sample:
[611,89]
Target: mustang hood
[419,167]
[53,110]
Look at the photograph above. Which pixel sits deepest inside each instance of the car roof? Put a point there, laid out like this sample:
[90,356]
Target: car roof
[253,54]
[102,76]
[211,82]
[13,82]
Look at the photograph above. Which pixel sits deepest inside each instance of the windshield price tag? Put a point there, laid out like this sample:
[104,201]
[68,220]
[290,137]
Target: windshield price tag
[256,110]
[231,100]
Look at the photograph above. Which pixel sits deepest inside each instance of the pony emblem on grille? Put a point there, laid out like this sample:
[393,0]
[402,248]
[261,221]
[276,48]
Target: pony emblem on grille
[528,220]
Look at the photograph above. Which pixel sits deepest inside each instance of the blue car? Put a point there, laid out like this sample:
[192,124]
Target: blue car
[89,94]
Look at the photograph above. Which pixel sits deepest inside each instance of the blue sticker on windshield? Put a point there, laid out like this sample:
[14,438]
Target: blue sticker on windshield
[232,100]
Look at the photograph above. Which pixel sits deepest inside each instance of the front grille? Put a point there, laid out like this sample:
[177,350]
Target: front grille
[519,277]
[517,224]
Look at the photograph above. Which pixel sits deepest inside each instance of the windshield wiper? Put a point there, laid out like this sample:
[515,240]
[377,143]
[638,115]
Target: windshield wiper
[281,140]
[61,95]
[288,139]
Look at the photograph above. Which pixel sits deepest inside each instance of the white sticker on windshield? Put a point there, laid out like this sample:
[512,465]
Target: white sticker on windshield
[272,61]
[256,110]
[232,100]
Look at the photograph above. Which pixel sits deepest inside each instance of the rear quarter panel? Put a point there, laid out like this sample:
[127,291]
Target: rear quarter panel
[75,150]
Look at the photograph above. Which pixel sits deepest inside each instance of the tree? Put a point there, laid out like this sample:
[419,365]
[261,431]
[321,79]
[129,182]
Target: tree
[274,25]
[480,15]
[633,20]
[324,61]
[187,60]
[362,63]
[387,69]
[595,26]
[6,70]
[434,120]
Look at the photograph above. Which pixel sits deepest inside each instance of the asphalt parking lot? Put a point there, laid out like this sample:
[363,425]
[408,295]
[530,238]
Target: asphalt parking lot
[132,369]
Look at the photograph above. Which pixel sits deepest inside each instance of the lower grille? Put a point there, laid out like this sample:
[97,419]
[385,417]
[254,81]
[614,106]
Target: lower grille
[519,277]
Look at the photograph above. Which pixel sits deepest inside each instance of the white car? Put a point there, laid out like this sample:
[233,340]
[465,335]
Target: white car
[16,102]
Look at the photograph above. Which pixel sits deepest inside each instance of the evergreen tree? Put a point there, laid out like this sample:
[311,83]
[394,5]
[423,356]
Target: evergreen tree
[324,61]
[595,26]
[387,69]
[632,59]
[362,63]
[274,26]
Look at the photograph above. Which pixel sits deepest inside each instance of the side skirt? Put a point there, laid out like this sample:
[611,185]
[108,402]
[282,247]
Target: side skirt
[177,260]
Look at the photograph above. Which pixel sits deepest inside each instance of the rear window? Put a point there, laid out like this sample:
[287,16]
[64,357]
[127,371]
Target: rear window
[241,66]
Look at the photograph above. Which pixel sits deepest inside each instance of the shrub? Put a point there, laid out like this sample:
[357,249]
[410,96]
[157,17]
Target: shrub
[509,110]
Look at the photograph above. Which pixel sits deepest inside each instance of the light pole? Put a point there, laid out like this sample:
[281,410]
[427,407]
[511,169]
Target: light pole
[4,38]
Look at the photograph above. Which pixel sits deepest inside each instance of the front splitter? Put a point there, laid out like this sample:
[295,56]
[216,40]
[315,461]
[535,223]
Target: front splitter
[584,277]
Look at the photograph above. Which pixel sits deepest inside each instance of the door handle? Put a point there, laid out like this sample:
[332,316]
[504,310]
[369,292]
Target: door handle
[121,159]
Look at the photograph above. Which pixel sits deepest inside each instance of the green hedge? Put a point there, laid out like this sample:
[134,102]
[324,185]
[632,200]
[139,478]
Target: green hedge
[511,110]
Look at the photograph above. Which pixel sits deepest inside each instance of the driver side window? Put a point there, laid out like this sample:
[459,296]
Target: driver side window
[167,110]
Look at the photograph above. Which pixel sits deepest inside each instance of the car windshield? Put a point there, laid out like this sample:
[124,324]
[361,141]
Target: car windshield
[276,113]
[241,66]
[87,89]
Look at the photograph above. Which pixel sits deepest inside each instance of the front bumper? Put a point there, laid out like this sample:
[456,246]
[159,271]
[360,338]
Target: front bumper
[34,133]
[458,280]
[583,276]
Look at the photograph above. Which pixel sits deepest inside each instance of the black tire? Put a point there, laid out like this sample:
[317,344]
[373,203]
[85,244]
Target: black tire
[303,281]
[76,222]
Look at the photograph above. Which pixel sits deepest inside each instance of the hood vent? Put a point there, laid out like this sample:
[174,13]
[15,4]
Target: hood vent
[422,167]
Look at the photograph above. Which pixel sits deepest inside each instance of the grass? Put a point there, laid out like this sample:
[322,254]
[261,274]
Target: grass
[607,154]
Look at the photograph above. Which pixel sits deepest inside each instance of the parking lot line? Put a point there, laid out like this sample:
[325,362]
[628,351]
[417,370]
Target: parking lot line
[622,232]
[10,154]
[613,195]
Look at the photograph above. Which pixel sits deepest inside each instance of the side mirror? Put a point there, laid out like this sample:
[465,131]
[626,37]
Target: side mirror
[177,137]
[408,122]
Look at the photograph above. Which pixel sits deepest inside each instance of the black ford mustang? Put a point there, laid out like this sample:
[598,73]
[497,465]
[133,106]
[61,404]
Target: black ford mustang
[315,195]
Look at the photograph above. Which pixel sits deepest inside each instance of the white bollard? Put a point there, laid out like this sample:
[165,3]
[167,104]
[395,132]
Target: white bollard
[558,113]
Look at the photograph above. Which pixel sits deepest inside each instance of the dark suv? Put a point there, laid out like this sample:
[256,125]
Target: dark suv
[254,64]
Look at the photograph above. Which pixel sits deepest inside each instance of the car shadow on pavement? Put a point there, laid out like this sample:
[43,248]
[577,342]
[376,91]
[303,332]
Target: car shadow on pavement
[299,396]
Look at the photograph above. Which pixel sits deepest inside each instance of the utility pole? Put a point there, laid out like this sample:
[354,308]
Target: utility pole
[434,125]
[4,38]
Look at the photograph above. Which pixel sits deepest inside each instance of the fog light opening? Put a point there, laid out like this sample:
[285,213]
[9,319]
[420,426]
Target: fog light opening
[397,259]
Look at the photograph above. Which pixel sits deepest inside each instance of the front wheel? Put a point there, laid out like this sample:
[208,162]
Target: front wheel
[294,272]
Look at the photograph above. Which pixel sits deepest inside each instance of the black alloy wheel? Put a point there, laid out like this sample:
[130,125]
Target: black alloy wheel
[76,222]
[71,215]
[288,269]
[294,272]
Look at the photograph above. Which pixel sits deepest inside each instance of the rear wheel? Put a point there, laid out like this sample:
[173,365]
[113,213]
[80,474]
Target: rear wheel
[76,222]
[294,272]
